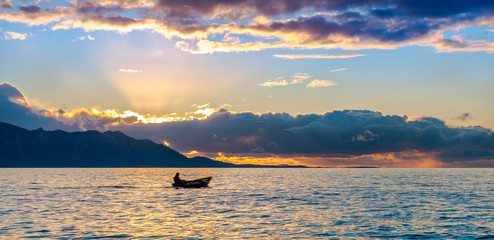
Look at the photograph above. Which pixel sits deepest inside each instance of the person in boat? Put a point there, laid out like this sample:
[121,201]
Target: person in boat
[177,179]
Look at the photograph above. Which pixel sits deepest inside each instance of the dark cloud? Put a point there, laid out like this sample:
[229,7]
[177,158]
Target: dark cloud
[320,28]
[113,20]
[382,8]
[384,13]
[90,8]
[267,7]
[440,9]
[450,43]
[14,109]
[464,117]
[346,133]
[350,15]
[9,92]
[5,4]
[30,9]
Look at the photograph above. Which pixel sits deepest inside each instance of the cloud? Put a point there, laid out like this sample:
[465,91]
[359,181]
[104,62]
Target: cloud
[349,134]
[12,94]
[30,8]
[15,109]
[101,120]
[129,70]
[296,79]
[299,56]
[459,43]
[339,69]
[316,83]
[5,4]
[209,26]
[14,35]
[463,117]
[88,37]
[53,16]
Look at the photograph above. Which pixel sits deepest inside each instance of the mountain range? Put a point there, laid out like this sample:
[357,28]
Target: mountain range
[20,147]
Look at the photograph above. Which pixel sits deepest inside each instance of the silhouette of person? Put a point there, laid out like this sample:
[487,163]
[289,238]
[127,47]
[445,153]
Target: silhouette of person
[177,179]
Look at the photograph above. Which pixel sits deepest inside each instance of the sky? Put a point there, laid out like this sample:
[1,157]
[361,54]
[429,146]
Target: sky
[385,83]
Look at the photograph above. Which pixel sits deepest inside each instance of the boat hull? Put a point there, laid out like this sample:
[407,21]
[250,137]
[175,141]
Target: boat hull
[197,183]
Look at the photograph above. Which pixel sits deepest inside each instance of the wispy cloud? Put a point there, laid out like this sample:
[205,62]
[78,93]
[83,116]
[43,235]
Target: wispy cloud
[14,35]
[328,56]
[88,37]
[296,79]
[463,117]
[129,70]
[316,83]
[339,69]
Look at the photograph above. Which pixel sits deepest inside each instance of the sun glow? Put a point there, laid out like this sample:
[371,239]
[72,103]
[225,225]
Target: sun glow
[272,160]
[113,117]
[206,112]
[406,159]
[193,153]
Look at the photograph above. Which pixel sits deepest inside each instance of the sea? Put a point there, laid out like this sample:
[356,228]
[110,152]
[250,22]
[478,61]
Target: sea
[247,203]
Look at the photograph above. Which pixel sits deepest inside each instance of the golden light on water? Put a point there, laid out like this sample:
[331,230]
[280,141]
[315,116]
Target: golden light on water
[253,203]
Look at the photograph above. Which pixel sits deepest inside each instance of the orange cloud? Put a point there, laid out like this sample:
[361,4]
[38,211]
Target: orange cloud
[101,120]
[39,18]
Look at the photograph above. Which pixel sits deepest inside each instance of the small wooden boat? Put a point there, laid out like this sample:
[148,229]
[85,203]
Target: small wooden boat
[196,183]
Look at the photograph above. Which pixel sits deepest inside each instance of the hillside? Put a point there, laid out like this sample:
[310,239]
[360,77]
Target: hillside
[39,148]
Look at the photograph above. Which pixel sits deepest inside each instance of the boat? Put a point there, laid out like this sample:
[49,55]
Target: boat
[196,183]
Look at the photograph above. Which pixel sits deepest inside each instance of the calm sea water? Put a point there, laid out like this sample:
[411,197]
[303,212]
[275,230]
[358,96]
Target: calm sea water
[247,203]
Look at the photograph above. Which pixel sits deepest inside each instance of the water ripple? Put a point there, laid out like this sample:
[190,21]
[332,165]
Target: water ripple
[318,204]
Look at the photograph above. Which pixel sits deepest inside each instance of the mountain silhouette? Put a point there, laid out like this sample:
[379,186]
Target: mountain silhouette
[20,147]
